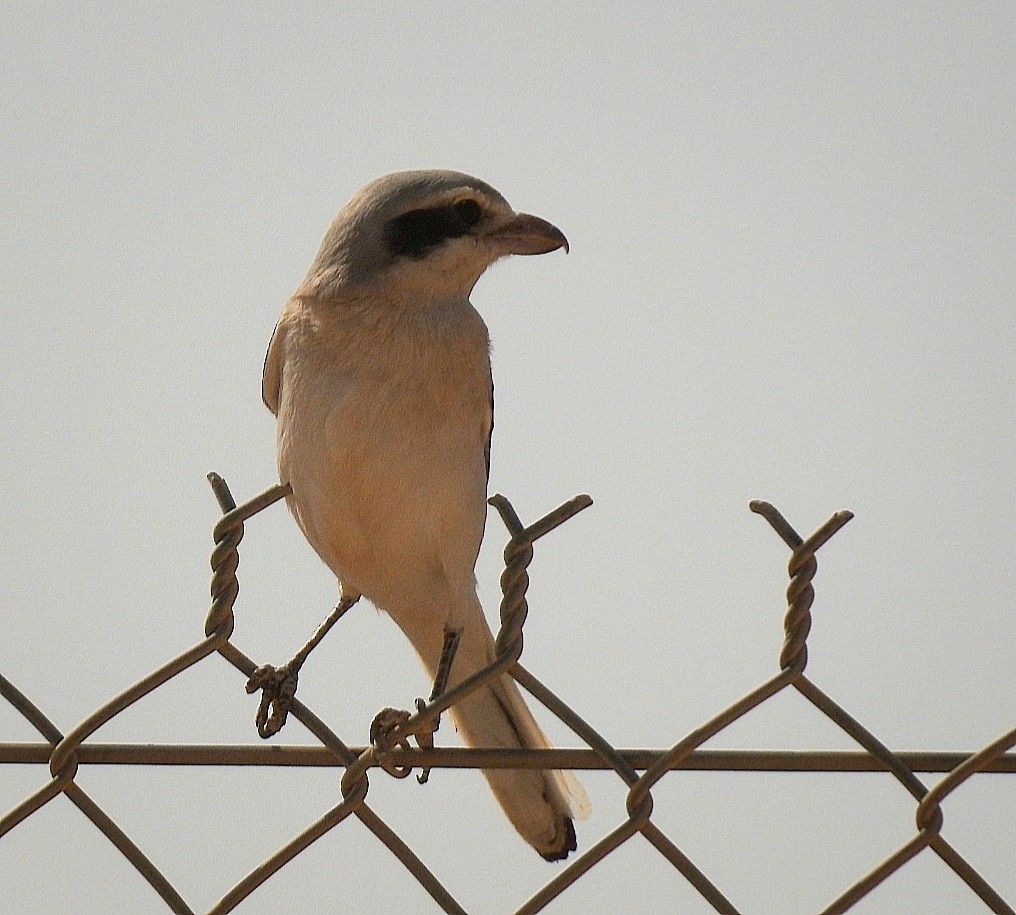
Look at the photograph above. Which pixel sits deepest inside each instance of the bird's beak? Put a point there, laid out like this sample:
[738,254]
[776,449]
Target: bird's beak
[525,234]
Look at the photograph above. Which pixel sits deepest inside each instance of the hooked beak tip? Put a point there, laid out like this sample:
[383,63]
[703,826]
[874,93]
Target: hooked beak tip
[526,234]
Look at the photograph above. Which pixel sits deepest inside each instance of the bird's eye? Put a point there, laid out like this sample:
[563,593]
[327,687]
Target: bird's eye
[468,212]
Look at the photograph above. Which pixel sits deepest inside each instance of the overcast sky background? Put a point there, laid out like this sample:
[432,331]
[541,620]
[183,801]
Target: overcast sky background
[792,278]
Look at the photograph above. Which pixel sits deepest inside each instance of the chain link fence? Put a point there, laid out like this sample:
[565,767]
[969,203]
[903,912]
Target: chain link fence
[638,770]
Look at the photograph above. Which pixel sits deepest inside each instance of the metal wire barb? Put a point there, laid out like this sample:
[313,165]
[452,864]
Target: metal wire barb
[390,749]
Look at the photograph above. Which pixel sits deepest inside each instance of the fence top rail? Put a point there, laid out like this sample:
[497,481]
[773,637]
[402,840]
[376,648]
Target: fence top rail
[144,754]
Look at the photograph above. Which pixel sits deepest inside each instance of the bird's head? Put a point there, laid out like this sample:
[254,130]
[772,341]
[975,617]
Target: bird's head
[429,233]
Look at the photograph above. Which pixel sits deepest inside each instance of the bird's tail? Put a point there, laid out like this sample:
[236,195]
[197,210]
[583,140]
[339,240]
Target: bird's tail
[540,804]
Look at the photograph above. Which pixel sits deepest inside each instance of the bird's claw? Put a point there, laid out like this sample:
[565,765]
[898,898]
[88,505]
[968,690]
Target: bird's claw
[381,729]
[278,689]
[425,739]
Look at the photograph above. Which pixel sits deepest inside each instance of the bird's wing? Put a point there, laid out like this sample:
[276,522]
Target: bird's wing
[271,377]
[490,434]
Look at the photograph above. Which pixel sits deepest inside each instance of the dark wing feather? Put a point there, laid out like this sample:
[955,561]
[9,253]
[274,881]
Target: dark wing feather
[271,377]
[490,435]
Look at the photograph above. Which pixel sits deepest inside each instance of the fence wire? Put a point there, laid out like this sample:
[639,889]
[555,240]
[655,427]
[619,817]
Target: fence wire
[392,751]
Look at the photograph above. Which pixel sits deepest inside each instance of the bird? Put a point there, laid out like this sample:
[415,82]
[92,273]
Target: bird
[379,374]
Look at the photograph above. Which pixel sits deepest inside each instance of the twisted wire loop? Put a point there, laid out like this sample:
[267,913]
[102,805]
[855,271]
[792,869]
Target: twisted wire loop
[798,623]
[225,559]
[514,583]
[354,785]
[518,554]
[390,748]
[801,568]
[63,762]
[793,658]
[394,727]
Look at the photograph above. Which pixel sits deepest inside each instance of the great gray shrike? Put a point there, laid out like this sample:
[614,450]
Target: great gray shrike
[379,374]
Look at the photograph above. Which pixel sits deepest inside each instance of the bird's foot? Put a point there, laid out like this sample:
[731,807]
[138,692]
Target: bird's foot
[278,684]
[425,738]
[384,725]
[278,689]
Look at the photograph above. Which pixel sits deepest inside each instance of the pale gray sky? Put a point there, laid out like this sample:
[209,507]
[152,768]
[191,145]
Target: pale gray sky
[792,278]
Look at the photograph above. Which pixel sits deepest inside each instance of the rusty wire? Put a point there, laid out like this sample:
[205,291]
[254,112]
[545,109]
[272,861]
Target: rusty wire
[392,752]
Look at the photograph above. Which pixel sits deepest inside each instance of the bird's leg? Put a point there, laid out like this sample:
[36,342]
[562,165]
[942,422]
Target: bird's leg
[444,670]
[444,664]
[278,684]
[389,718]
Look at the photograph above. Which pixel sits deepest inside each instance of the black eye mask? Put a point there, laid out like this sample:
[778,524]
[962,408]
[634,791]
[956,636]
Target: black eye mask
[417,232]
